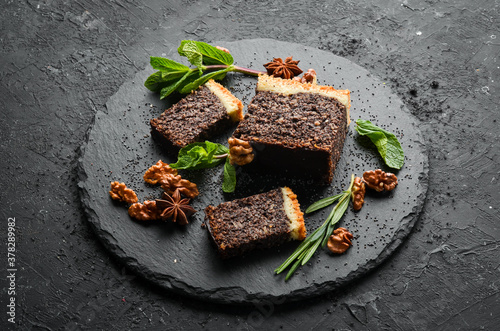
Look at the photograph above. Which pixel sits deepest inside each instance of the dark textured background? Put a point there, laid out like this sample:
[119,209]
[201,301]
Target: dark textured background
[61,61]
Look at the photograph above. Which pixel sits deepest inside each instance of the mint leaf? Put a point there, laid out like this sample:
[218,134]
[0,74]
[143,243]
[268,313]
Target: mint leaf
[386,142]
[169,72]
[200,155]
[189,49]
[163,64]
[155,82]
[205,78]
[229,182]
[168,76]
[210,55]
[213,55]
[173,86]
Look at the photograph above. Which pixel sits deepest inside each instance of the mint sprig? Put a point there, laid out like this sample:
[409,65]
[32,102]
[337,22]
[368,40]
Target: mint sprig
[209,61]
[320,236]
[386,142]
[203,155]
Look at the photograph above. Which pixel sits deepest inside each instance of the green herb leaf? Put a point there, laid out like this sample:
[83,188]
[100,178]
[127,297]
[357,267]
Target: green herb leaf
[189,49]
[295,255]
[320,236]
[290,273]
[209,54]
[173,76]
[203,79]
[336,215]
[155,82]
[163,64]
[178,85]
[325,202]
[229,183]
[169,72]
[386,142]
[200,155]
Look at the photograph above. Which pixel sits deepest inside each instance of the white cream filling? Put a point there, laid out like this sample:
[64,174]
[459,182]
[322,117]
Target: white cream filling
[231,105]
[288,205]
[287,87]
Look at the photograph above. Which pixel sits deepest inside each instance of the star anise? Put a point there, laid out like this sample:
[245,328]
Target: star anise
[286,70]
[175,208]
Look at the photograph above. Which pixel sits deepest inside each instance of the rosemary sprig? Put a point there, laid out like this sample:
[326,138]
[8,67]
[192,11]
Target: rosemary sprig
[320,236]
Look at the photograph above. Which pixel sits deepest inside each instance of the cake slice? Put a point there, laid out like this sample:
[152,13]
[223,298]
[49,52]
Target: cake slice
[260,221]
[204,113]
[295,127]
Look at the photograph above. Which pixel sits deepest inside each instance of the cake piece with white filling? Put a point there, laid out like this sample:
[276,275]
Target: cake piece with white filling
[295,128]
[204,113]
[257,222]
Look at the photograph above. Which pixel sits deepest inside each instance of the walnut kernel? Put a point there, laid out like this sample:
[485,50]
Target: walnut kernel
[146,211]
[240,151]
[379,180]
[120,192]
[308,77]
[358,193]
[158,172]
[339,241]
[170,183]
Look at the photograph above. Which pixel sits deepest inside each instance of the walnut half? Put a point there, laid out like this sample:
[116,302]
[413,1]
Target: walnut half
[240,151]
[380,180]
[120,192]
[158,172]
[339,241]
[171,183]
[146,211]
[358,193]
[308,77]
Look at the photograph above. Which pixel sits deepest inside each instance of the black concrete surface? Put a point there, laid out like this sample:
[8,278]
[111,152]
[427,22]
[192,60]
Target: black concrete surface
[60,63]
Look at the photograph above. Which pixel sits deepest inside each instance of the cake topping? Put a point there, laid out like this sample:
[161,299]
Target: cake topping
[285,70]
[358,193]
[308,77]
[240,151]
[158,172]
[175,208]
[172,183]
[339,241]
[146,211]
[380,180]
[120,192]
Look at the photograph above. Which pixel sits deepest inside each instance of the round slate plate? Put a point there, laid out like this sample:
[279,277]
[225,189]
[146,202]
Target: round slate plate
[183,259]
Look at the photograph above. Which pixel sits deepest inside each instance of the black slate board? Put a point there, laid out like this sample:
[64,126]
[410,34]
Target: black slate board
[182,259]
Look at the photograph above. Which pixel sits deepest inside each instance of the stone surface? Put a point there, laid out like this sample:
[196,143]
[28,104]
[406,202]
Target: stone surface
[61,61]
[182,258]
